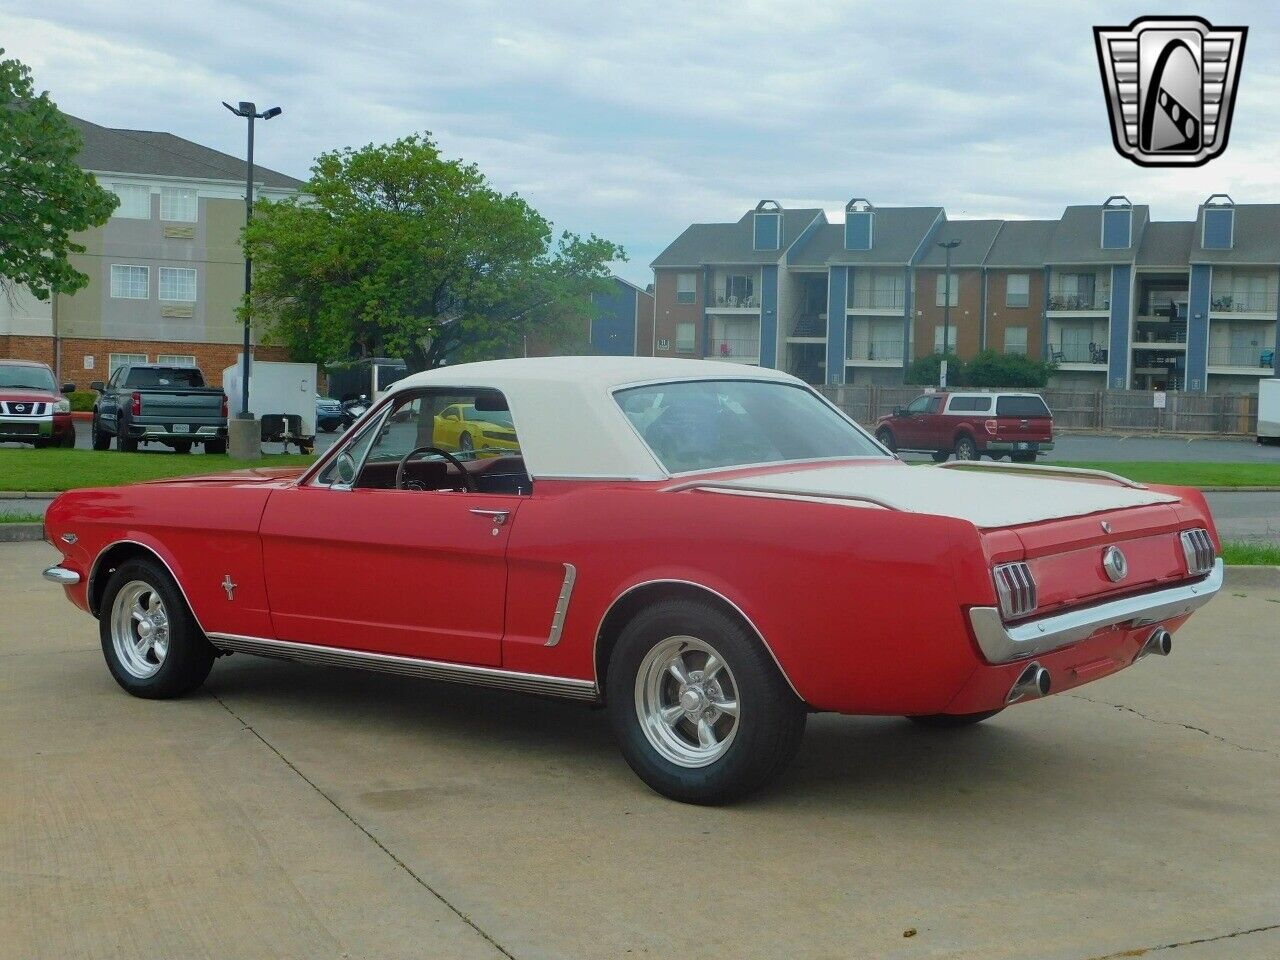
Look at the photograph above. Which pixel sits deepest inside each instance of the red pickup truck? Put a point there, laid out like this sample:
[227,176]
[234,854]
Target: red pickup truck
[1016,425]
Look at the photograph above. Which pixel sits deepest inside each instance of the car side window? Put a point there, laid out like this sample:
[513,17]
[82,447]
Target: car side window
[935,404]
[918,405]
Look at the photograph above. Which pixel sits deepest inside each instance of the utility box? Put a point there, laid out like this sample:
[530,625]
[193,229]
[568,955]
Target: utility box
[276,389]
[1269,411]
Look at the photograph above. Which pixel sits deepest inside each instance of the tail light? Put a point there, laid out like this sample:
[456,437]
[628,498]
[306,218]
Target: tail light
[135,404]
[990,426]
[1015,588]
[1198,549]
[224,406]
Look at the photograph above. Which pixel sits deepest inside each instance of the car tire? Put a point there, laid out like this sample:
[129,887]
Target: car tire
[950,721]
[885,437]
[1022,457]
[966,448]
[182,447]
[39,444]
[941,456]
[101,440]
[215,446]
[150,640]
[126,444]
[68,441]
[736,754]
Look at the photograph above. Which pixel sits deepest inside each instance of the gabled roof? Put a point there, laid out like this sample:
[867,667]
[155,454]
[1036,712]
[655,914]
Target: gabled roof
[1078,236]
[1255,237]
[704,244]
[896,235]
[154,153]
[1022,243]
[975,236]
[1166,244]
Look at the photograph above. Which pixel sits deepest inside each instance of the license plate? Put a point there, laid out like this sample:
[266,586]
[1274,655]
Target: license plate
[182,428]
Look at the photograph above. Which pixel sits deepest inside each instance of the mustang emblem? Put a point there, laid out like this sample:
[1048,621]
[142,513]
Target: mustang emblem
[229,586]
[1115,564]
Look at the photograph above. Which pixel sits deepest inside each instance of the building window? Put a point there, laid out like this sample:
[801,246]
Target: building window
[135,201]
[176,360]
[117,360]
[1015,340]
[178,203]
[942,290]
[129,282]
[951,339]
[178,283]
[1018,290]
[686,287]
[684,337]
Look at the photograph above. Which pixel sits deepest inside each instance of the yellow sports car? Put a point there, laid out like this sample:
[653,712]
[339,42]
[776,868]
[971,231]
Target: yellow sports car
[475,434]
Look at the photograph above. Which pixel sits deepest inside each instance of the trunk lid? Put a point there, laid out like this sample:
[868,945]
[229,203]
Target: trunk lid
[180,405]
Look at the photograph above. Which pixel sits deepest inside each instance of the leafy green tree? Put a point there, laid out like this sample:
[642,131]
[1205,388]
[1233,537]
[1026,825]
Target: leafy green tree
[44,195]
[925,370]
[992,369]
[393,250]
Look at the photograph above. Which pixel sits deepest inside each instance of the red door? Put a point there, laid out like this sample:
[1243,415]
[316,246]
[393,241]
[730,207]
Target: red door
[418,573]
[909,427]
[934,428]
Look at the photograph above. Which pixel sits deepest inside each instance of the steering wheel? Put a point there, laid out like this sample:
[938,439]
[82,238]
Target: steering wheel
[468,481]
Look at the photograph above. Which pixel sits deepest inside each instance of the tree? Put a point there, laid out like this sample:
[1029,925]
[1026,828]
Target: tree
[927,369]
[44,195]
[394,250]
[986,369]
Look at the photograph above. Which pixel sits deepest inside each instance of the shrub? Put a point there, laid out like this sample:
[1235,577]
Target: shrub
[924,370]
[82,400]
[992,369]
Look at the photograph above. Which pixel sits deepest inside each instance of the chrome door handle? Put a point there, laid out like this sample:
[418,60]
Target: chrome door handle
[499,517]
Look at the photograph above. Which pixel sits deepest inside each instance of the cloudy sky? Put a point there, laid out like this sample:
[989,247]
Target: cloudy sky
[632,120]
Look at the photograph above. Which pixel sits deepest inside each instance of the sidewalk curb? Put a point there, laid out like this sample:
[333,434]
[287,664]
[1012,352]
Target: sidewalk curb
[28,494]
[1252,576]
[21,532]
[1239,489]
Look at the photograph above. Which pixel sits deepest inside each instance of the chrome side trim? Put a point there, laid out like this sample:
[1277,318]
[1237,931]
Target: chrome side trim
[1057,473]
[726,486]
[595,645]
[562,605]
[61,576]
[93,572]
[1001,643]
[566,687]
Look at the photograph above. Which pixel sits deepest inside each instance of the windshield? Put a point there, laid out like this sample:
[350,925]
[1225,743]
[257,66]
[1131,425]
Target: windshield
[24,377]
[725,423]
[165,377]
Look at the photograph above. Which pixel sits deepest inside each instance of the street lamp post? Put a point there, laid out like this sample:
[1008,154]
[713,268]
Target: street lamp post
[250,112]
[947,246]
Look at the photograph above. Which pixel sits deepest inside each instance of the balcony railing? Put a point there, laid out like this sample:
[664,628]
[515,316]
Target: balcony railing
[747,302]
[1260,302]
[1101,300]
[740,348]
[860,349]
[1160,333]
[810,325]
[1077,353]
[862,299]
[1261,357]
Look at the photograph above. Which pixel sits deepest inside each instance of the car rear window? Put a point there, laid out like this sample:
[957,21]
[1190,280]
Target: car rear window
[970,405]
[1027,406]
[178,377]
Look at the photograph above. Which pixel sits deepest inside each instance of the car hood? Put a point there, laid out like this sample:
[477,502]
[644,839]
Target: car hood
[987,498]
[15,395]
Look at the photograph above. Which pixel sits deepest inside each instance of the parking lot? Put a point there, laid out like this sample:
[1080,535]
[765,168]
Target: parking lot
[291,811]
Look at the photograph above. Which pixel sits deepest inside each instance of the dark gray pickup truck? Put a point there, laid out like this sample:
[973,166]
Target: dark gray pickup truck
[152,403]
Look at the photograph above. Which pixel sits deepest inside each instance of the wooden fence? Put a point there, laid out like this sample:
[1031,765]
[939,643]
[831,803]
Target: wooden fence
[1208,413]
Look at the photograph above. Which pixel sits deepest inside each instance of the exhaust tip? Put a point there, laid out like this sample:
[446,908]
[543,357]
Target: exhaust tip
[1160,643]
[1034,682]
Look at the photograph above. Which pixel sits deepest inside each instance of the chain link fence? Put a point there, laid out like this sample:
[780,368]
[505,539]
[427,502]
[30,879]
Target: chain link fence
[1216,413]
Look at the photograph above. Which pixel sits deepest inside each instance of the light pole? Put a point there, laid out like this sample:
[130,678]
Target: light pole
[947,246]
[250,112]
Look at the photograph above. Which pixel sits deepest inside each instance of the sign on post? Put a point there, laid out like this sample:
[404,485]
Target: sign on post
[1159,399]
[942,374]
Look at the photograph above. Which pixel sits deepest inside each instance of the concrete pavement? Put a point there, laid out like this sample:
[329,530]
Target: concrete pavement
[293,811]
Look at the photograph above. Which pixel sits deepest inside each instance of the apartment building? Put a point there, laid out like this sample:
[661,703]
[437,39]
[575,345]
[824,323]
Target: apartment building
[166,272]
[1114,299]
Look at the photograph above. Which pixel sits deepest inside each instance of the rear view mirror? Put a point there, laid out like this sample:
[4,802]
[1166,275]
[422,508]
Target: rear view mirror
[897,411]
[491,402]
[97,385]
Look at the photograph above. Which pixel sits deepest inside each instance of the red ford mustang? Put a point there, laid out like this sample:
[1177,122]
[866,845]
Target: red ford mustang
[710,550]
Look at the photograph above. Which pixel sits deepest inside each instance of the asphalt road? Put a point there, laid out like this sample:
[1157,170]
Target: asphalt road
[291,811]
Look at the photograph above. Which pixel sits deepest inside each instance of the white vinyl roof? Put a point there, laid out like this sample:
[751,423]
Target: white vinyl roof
[566,417]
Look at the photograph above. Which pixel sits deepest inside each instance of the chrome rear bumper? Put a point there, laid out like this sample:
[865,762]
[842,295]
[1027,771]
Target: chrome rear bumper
[1001,643]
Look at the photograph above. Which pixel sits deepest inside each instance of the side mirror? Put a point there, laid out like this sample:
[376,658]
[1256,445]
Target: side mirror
[68,387]
[345,468]
[897,411]
[97,385]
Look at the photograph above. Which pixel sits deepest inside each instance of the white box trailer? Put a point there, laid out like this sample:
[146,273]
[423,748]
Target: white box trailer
[277,389]
[1269,411]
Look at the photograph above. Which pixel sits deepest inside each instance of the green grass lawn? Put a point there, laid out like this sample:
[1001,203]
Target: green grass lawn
[1187,474]
[21,518]
[58,469]
[1251,554]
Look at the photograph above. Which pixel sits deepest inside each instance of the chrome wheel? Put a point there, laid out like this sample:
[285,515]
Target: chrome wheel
[139,629]
[687,701]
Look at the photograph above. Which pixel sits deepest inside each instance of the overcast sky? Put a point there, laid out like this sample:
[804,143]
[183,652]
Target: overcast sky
[632,120]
